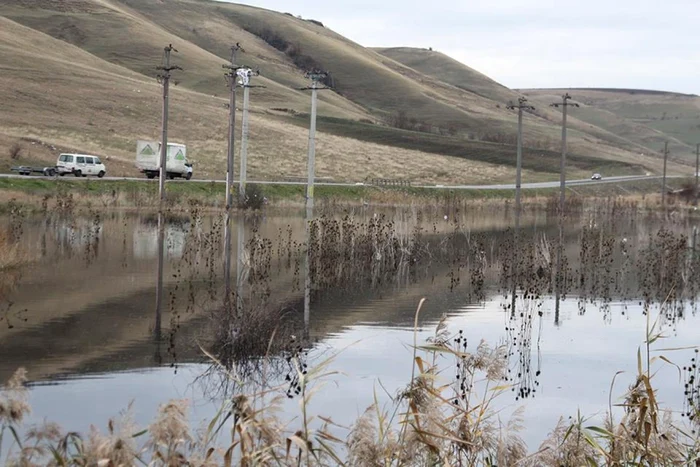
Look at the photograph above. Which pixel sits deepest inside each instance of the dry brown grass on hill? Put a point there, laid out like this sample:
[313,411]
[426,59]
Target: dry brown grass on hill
[105,113]
[99,95]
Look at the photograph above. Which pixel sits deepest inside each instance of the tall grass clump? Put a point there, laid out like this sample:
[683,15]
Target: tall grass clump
[12,254]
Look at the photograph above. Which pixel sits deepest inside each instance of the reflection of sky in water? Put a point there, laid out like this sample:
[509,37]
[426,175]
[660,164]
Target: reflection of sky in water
[579,360]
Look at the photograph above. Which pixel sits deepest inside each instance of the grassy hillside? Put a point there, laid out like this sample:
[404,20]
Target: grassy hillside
[79,75]
[59,94]
[648,118]
[609,129]
[449,70]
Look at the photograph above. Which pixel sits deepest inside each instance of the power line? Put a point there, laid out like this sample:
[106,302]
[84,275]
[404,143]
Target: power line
[562,175]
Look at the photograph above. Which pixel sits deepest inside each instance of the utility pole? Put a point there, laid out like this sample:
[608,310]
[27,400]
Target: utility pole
[316,76]
[663,193]
[697,170]
[522,105]
[562,176]
[245,74]
[231,78]
[164,78]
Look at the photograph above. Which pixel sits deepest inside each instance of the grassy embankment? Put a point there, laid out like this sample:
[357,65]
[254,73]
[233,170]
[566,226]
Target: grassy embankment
[32,192]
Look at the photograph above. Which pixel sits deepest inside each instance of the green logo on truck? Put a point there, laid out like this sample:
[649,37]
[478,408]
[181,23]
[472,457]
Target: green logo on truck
[147,151]
[179,156]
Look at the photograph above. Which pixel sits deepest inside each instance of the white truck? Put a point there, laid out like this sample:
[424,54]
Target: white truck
[176,163]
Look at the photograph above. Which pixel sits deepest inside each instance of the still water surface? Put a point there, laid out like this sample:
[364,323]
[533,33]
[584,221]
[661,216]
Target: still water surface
[82,316]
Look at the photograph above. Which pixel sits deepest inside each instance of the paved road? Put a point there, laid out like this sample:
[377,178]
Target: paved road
[554,184]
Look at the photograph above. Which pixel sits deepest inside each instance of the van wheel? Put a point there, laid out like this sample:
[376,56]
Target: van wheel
[78,173]
[151,175]
[62,174]
[188,176]
[101,174]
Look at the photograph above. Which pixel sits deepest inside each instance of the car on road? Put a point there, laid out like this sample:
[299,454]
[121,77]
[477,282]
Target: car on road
[596,176]
[80,165]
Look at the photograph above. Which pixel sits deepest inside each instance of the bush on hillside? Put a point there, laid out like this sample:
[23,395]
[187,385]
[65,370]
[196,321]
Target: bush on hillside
[15,151]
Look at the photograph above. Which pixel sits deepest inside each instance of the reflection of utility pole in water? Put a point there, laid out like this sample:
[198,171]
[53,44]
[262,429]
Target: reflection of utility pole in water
[159,284]
[663,187]
[559,278]
[307,272]
[227,261]
[697,170]
[514,268]
[316,76]
[240,265]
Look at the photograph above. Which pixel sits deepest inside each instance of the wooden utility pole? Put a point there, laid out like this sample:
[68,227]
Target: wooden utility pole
[522,105]
[231,78]
[164,78]
[316,76]
[562,168]
[663,193]
[245,74]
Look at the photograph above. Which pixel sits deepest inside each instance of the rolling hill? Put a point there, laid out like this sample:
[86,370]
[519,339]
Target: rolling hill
[648,118]
[80,75]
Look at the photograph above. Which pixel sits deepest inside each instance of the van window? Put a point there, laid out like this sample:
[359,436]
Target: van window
[97,160]
[66,158]
[80,160]
[88,160]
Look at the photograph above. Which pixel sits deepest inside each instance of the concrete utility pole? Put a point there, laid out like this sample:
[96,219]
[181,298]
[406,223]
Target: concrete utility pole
[697,170]
[522,105]
[562,176]
[663,193]
[164,79]
[231,78]
[245,74]
[316,76]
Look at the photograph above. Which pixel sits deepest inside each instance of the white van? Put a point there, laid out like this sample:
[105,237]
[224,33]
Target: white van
[80,165]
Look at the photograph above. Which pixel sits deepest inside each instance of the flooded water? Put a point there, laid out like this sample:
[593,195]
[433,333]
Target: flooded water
[84,318]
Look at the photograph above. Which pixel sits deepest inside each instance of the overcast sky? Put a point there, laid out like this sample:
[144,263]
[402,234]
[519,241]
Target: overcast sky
[646,44]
